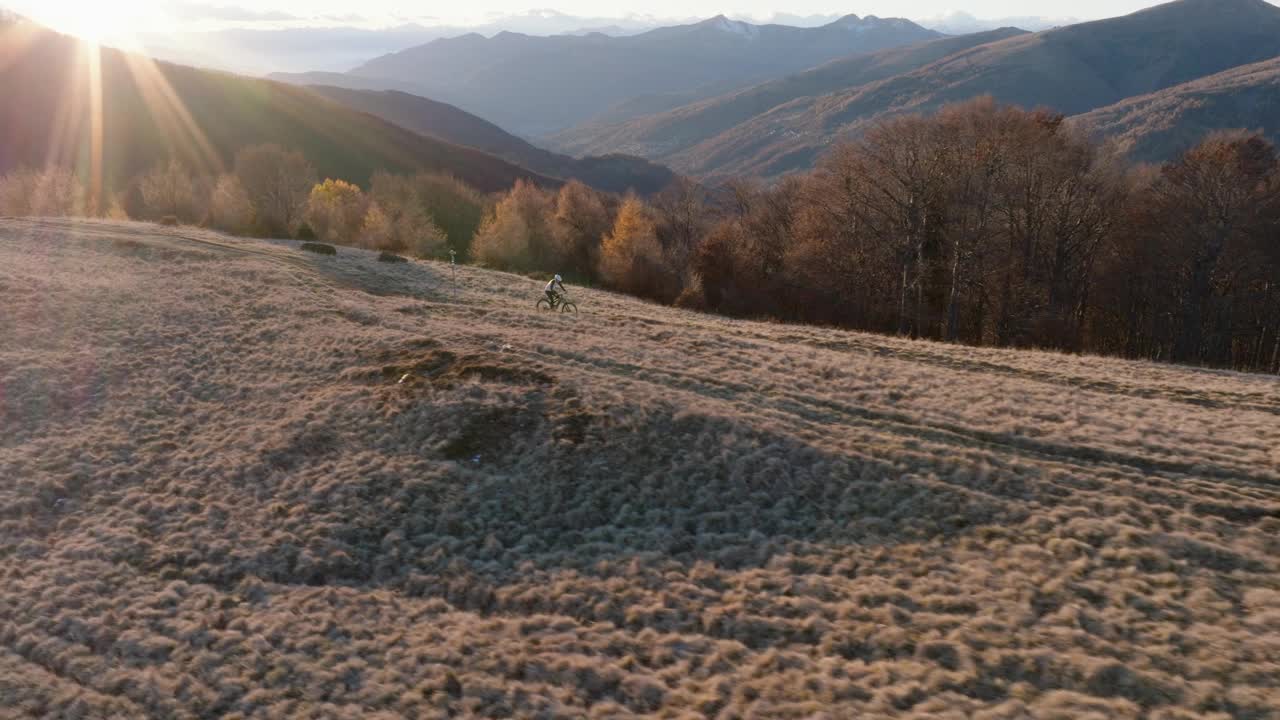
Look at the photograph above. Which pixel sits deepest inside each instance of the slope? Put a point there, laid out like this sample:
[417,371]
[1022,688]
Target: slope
[534,86]
[238,479]
[1072,70]
[662,134]
[611,172]
[150,111]
[1159,126]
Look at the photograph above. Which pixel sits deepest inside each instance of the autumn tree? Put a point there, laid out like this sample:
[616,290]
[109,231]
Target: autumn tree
[1215,213]
[51,192]
[278,183]
[682,220]
[410,226]
[578,225]
[631,258]
[503,238]
[739,266]
[170,191]
[517,234]
[455,208]
[17,189]
[982,222]
[229,206]
[377,232]
[335,211]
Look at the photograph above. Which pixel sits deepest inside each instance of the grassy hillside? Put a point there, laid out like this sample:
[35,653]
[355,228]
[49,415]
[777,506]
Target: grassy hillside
[153,110]
[1161,125]
[236,478]
[1073,70]
[662,134]
[609,172]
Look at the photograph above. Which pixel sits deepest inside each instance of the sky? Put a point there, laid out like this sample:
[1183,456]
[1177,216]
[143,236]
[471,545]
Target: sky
[104,18]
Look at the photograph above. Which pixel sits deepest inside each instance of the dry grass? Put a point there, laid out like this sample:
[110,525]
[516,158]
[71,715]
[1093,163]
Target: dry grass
[245,481]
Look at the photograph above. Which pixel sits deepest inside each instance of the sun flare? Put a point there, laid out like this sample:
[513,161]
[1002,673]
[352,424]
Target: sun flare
[95,22]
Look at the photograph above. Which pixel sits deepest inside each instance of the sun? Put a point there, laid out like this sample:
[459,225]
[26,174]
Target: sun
[94,21]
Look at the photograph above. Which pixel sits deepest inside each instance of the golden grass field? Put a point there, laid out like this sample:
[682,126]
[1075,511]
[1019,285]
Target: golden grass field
[238,480]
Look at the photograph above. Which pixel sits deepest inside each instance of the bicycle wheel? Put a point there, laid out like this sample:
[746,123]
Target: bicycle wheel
[543,304]
[569,308]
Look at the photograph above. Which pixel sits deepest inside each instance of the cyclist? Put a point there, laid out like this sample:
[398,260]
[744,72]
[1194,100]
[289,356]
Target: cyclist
[552,296]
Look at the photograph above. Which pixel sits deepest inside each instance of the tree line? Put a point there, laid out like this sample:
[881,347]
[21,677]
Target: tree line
[982,224]
[272,192]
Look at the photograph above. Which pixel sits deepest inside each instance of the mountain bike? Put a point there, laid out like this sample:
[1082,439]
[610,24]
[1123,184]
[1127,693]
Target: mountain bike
[561,303]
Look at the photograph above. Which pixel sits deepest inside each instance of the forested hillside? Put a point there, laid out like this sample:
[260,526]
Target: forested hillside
[56,90]
[609,171]
[1161,125]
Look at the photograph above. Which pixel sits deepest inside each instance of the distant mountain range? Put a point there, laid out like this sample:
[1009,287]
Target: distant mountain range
[151,111]
[264,43]
[257,49]
[671,133]
[535,86]
[261,50]
[713,99]
[1074,70]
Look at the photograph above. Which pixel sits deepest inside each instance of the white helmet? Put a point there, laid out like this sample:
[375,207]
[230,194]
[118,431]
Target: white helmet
[558,279]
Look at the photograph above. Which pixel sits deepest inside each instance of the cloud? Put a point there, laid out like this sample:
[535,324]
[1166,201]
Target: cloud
[348,18]
[197,11]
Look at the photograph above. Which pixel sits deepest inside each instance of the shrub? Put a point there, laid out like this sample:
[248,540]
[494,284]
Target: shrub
[319,248]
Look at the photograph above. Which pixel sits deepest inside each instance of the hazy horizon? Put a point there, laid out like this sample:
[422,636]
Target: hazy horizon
[141,16]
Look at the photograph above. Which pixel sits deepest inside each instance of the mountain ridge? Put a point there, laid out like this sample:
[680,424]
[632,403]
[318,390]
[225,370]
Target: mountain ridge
[1160,125]
[663,134]
[534,86]
[1072,70]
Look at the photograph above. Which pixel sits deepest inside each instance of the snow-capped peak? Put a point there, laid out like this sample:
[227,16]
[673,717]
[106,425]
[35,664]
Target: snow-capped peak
[735,27]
